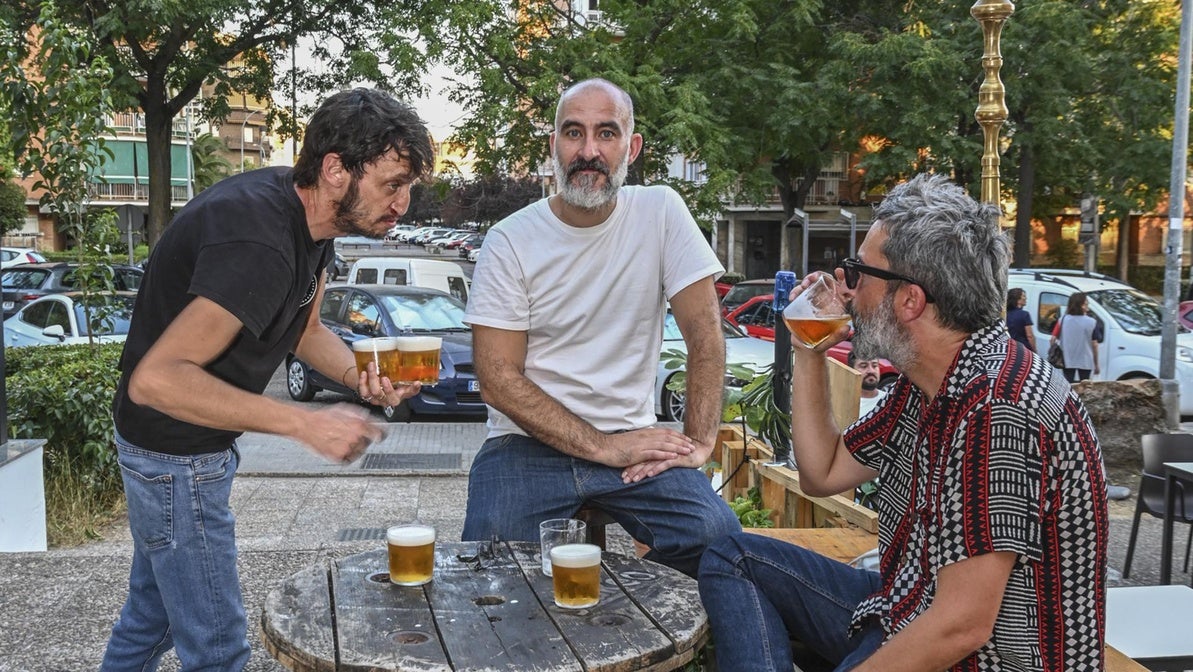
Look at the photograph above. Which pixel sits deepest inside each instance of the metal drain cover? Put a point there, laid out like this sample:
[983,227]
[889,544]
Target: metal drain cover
[412,461]
[360,534]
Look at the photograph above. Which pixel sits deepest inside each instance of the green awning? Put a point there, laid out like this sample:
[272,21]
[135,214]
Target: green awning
[130,159]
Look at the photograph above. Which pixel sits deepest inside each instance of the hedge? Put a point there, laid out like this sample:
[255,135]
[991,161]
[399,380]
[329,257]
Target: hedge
[63,394]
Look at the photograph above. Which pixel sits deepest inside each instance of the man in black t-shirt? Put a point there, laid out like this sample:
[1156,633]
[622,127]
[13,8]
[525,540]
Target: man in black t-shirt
[232,287]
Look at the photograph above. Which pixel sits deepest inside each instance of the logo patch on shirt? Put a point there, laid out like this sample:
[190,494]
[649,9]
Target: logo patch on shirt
[310,291]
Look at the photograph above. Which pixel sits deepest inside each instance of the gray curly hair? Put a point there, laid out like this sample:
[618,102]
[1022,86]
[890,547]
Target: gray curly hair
[951,244]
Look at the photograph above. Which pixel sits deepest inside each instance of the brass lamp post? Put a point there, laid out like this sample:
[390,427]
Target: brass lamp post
[992,98]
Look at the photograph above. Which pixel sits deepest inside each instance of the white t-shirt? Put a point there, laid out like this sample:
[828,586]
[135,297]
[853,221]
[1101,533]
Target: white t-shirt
[867,404]
[592,300]
[1076,341]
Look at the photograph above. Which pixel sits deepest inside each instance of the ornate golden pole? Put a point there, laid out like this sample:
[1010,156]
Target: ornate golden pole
[992,98]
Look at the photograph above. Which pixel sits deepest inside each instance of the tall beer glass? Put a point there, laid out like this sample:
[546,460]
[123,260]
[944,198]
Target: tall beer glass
[381,351]
[418,359]
[576,575]
[411,554]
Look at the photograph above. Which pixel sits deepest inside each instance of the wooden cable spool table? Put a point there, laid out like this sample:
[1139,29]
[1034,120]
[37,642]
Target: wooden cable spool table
[489,607]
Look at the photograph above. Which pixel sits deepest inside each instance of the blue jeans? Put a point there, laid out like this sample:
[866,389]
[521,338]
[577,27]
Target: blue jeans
[183,589]
[760,593]
[517,482]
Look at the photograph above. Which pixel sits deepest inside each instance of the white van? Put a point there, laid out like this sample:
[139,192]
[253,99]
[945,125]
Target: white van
[1130,322]
[446,276]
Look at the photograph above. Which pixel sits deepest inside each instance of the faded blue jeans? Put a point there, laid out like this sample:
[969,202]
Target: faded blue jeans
[517,482]
[760,593]
[183,589]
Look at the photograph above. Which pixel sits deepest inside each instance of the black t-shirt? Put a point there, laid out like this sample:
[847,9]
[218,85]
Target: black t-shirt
[243,243]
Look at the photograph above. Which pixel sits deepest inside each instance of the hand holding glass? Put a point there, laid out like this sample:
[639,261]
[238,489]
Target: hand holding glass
[815,314]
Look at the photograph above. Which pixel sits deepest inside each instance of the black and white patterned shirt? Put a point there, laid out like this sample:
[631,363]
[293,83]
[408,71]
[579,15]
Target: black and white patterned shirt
[1003,458]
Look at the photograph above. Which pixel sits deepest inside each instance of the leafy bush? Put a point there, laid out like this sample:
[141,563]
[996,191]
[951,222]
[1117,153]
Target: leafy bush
[732,277]
[749,510]
[64,394]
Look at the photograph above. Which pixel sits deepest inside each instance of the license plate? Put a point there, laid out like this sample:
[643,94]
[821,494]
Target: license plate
[8,305]
[474,386]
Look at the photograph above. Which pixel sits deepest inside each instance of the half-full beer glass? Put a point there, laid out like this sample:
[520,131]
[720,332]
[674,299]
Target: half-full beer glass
[576,575]
[418,359]
[815,314]
[381,351]
[411,554]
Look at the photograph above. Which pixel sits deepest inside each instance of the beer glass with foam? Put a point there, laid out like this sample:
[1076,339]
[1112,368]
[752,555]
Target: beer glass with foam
[815,314]
[576,575]
[381,351]
[411,554]
[418,359]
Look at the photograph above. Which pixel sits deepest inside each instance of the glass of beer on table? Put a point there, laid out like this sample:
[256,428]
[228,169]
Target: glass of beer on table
[381,351]
[815,314]
[411,554]
[576,575]
[418,359]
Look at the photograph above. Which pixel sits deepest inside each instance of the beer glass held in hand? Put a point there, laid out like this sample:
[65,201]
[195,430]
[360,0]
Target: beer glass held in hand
[576,575]
[418,359]
[381,351]
[815,314]
[411,554]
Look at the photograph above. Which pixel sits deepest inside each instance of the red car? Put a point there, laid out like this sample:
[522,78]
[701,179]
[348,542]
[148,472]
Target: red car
[757,317]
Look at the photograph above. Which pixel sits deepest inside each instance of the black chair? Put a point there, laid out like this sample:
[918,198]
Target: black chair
[1158,449]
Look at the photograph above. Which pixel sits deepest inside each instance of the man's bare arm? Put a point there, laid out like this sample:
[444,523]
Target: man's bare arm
[171,378]
[961,619]
[500,359]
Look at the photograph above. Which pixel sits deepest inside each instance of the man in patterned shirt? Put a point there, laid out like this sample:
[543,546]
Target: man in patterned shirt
[992,513]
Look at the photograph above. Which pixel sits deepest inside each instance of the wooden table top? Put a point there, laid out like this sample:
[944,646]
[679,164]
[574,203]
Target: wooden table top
[495,613]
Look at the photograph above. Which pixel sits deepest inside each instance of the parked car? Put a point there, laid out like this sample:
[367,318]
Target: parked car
[1130,322]
[63,319]
[469,243]
[1184,314]
[739,349]
[744,291]
[722,289]
[444,242]
[11,256]
[338,268]
[428,235]
[474,253]
[25,282]
[757,318]
[398,230]
[354,312]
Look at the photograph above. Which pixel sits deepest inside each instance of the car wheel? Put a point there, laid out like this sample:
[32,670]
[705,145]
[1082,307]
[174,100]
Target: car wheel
[399,413]
[673,405]
[298,381]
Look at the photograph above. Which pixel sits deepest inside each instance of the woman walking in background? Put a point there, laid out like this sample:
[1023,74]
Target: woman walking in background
[1077,339]
[1019,320]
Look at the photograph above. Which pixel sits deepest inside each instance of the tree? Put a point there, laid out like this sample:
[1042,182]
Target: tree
[208,163]
[12,206]
[426,201]
[488,199]
[163,53]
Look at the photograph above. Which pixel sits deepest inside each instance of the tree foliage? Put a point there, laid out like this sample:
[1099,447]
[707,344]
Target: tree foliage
[162,53]
[12,206]
[209,164]
[764,93]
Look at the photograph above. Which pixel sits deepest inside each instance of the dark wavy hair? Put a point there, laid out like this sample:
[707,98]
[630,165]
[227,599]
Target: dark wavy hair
[1013,296]
[1076,304]
[362,125]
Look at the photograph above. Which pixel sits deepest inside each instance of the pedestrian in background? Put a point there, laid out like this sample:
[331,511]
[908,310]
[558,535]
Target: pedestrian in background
[1019,322]
[1078,339]
[232,288]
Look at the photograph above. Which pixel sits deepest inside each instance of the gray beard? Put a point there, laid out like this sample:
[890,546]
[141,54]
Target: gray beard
[584,195]
[881,335]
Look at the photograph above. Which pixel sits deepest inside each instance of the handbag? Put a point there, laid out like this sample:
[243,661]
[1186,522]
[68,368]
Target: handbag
[1056,356]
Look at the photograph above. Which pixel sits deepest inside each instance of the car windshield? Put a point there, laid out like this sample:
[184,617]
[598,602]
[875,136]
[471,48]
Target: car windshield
[742,292]
[1134,311]
[24,278]
[671,330]
[425,312]
[111,316]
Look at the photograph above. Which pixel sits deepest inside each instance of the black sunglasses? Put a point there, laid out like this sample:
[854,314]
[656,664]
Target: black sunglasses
[854,268]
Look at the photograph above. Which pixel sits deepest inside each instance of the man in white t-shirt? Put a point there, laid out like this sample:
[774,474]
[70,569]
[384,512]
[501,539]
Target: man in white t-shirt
[871,372]
[567,306]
